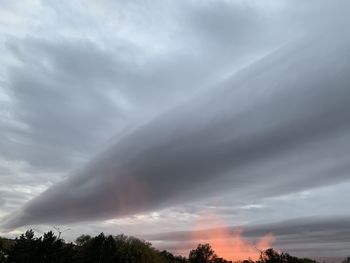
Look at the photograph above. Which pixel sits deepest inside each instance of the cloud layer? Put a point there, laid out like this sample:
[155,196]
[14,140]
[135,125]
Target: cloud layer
[293,102]
[297,236]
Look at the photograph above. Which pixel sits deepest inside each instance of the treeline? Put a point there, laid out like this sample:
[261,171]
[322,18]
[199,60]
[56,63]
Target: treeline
[111,249]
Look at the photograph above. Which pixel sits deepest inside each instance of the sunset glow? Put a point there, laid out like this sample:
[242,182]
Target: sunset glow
[230,244]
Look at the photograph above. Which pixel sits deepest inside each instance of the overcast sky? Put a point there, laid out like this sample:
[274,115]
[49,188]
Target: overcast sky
[141,116]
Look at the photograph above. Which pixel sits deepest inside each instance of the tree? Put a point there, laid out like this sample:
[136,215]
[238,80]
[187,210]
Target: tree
[202,254]
[272,256]
[221,260]
[170,258]
[2,252]
[83,239]
[91,251]
[134,250]
[25,249]
[167,256]
[48,248]
[108,250]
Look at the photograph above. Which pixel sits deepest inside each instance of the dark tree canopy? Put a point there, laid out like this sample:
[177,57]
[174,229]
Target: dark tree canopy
[272,256]
[202,254]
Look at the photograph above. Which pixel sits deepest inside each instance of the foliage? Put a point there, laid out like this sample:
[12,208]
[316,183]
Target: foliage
[168,257]
[202,254]
[2,253]
[272,256]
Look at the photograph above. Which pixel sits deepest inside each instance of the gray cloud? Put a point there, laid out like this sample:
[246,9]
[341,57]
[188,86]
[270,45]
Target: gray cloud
[72,84]
[296,102]
[59,117]
[312,236]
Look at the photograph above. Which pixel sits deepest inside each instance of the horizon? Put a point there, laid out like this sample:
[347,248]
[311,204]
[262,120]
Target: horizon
[231,257]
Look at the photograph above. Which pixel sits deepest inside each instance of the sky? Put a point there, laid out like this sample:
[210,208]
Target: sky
[149,117]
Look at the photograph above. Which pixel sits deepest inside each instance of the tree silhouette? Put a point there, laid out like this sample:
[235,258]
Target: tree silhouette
[202,254]
[108,250]
[81,240]
[271,256]
[25,249]
[2,251]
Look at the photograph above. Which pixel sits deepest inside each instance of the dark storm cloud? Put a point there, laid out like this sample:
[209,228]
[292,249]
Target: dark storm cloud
[294,102]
